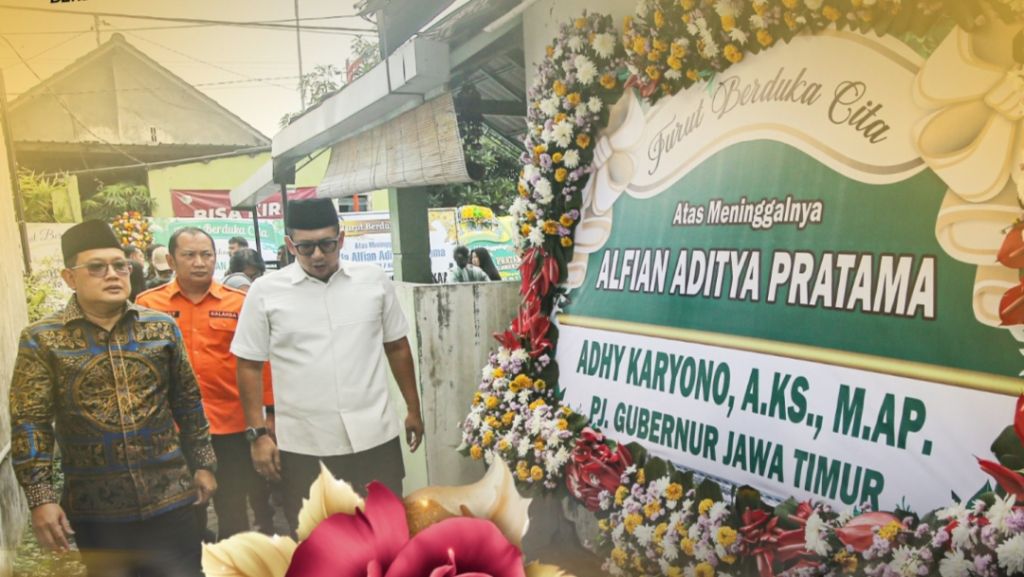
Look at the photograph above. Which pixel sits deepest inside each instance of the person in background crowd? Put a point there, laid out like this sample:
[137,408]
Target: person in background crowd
[150,271]
[137,280]
[235,243]
[207,313]
[481,258]
[246,266]
[162,271]
[284,258]
[132,252]
[462,271]
[135,444]
[330,330]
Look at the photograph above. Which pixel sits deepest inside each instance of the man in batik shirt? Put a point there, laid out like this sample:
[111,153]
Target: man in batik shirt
[111,383]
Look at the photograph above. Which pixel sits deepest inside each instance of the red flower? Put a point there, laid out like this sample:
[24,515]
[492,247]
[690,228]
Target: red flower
[1018,419]
[1011,254]
[859,532]
[595,467]
[538,282]
[533,325]
[761,533]
[1011,481]
[793,543]
[377,544]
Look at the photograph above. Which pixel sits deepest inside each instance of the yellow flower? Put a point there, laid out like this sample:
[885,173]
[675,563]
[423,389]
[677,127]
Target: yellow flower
[790,19]
[602,524]
[728,559]
[559,88]
[476,452]
[687,4]
[659,19]
[556,157]
[890,531]
[660,45]
[692,74]
[503,445]
[580,23]
[674,492]
[627,23]
[537,404]
[619,557]
[791,4]
[525,230]
[652,509]
[686,546]
[540,385]
[536,473]
[550,226]
[550,51]
[846,560]
[705,506]
[641,477]
[608,81]
[732,53]
[566,241]
[560,117]
[491,402]
[728,22]
[764,37]
[530,215]
[831,13]
[562,424]
[640,45]
[674,571]
[620,495]
[654,55]
[565,411]
[477,398]
[540,149]
[565,220]
[726,536]
[523,191]
[560,175]
[523,474]
[704,570]
[760,8]
[488,438]
[539,444]
[523,381]
[583,140]
[632,521]
[659,531]
[491,422]
[514,388]
[507,418]
[674,63]
[677,50]
[574,99]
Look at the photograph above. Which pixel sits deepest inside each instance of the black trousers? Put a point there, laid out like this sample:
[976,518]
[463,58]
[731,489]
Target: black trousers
[167,545]
[382,463]
[238,482]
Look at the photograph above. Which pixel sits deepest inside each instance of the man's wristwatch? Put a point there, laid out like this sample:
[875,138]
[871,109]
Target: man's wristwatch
[253,433]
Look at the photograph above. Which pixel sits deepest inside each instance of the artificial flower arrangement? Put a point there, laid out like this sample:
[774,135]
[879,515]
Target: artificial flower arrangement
[470,530]
[654,519]
[132,228]
[477,216]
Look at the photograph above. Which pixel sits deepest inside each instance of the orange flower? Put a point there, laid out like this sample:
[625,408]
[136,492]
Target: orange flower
[653,72]
[574,99]
[608,81]
[561,174]
[550,227]
[559,88]
[525,230]
[674,63]
[659,19]
[566,241]
[556,157]
[565,220]
[640,45]
[580,23]
[728,22]
[765,38]
[692,74]
[831,13]
[732,53]
[583,140]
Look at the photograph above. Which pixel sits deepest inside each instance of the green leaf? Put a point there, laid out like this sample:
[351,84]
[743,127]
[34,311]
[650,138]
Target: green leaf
[747,497]
[655,469]
[638,453]
[785,510]
[1007,447]
[709,489]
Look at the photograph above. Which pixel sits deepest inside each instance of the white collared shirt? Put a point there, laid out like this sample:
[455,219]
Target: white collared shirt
[325,343]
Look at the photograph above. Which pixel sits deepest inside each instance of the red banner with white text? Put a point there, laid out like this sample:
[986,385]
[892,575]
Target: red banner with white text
[217,203]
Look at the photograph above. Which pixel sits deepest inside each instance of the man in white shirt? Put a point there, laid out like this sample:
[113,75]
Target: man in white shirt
[329,330]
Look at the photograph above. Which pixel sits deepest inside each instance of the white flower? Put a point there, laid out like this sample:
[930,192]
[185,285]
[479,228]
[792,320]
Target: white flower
[557,53]
[643,534]
[529,171]
[545,136]
[524,396]
[571,158]
[658,486]
[718,510]
[999,511]
[738,36]
[673,74]
[963,536]
[576,44]
[604,45]
[520,355]
[812,536]
[671,553]
[586,72]
[641,9]
[502,356]
[524,447]
[905,561]
[663,566]
[757,22]
[725,8]
[542,188]
[954,565]
[536,237]
[549,106]
[518,207]
[956,511]
[813,4]
[562,133]
[595,105]
[1011,555]
[487,372]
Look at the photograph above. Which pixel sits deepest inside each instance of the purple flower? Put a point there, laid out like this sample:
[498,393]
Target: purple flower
[545,160]
[1015,521]
[981,563]
[989,537]
[940,538]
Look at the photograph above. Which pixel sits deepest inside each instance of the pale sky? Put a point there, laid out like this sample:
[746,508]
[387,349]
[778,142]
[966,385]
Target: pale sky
[227,63]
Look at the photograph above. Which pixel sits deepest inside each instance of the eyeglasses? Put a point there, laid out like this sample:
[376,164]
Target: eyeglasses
[326,246]
[98,269]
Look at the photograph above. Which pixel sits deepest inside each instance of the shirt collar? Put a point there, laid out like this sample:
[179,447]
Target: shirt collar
[73,311]
[216,290]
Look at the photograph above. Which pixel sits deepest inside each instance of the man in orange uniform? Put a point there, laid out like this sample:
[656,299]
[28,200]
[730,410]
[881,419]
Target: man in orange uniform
[207,312]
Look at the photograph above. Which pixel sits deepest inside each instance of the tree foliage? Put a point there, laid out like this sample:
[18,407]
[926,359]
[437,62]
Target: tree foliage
[114,199]
[496,189]
[326,79]
[37,191]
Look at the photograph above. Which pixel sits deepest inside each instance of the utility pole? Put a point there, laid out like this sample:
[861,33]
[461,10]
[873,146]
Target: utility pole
[298,43]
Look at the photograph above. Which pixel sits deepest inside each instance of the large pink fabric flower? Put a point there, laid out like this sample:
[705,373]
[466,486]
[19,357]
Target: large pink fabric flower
[376,543]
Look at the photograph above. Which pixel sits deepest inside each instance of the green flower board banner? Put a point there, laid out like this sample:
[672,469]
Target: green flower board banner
[788,277]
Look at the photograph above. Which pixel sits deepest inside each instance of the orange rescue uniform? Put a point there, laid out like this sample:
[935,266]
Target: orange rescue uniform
[208,328]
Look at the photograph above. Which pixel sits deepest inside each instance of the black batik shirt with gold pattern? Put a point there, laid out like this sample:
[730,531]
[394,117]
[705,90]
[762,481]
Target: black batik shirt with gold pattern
[124,407]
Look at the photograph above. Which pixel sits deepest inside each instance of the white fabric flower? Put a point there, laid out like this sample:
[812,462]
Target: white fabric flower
[673,74]
[955,565]
[604,45]
[543,191]
[812,536]
[1011,555]
[576,44]
[594,104]
[963,536]
[561,134]
[549,106]
[536,237]
[643,534]
[586,72]
[557,53]
[529,171]
[999,512]
[738,36]
[571,158]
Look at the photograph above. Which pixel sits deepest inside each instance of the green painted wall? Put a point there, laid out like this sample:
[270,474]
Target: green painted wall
[221,173]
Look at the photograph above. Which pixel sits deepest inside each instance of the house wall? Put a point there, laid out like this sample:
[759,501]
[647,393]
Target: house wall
[14,313]
[220,174]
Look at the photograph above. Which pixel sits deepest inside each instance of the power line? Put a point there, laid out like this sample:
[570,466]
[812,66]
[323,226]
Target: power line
[184,26]
[197,85]
[64,104]
[267,25]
